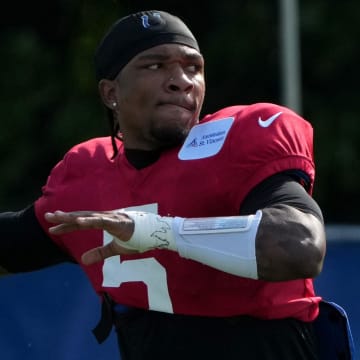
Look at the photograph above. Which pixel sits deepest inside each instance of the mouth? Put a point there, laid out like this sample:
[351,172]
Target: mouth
[189,106]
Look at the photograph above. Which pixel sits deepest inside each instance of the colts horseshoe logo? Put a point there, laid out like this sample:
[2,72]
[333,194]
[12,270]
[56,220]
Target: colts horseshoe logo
[154,20]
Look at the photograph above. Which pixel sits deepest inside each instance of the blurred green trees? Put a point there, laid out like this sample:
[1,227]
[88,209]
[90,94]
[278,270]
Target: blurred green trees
[49,102]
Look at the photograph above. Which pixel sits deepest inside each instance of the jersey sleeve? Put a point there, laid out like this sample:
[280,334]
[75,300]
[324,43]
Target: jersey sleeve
[267,139]
[65,188]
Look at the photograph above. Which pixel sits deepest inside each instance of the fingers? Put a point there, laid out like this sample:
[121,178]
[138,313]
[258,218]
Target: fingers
[97,254]
[103,252]
[116,223]
[61,216]
[68,222]
[63,228]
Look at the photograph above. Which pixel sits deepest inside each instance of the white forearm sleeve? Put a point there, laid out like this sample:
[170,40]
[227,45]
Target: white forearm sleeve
[224,243]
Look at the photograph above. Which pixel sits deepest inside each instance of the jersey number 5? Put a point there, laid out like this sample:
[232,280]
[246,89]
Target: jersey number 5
[149,271]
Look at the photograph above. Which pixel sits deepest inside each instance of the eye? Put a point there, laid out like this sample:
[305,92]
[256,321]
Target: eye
[194,68]
[155,66]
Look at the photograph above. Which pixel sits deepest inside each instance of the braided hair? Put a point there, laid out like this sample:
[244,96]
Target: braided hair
[114,131]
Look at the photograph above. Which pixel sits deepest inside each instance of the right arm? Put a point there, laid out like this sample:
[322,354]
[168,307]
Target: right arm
[24,245]
[286,242]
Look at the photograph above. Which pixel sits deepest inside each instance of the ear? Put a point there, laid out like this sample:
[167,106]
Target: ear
[107,92]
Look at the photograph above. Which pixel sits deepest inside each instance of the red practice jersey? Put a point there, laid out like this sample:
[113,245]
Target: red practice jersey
[221,161]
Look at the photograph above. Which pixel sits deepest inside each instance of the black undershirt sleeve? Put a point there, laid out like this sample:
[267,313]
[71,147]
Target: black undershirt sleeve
[282,188]
[24,245]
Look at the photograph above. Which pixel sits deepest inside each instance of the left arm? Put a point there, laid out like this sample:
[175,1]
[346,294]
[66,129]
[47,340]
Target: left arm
[290,244]
[291,240]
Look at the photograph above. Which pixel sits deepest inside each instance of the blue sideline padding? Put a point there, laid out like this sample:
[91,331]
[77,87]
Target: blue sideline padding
[334,332]
[50,314]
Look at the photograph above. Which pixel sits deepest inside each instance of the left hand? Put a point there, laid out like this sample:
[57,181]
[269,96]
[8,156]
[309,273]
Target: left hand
[116,223]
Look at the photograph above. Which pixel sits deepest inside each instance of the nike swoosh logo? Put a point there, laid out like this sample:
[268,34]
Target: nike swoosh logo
[266,123]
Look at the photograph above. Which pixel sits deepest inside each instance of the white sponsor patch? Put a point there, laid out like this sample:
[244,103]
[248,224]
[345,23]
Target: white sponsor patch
[205,140]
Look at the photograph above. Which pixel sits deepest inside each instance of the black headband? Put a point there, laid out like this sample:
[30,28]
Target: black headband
[135,33]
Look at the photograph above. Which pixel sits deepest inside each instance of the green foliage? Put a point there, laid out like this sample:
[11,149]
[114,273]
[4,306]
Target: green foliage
[49,97]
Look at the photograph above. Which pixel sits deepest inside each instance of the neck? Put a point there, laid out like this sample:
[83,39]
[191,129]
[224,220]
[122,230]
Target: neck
[142,158]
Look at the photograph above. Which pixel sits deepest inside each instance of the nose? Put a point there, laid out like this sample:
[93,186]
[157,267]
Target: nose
[179,81]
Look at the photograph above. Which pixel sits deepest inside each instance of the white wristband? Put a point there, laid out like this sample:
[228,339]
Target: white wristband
[151,232]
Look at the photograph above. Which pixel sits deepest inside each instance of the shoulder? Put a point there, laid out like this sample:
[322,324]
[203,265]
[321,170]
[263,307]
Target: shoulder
[256,114]
[83,158]
[96,147]
[89,153]
[77,173]
[265,120]
[267,138]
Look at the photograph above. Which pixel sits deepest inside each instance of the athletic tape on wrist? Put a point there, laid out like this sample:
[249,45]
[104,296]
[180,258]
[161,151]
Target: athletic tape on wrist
[151,232]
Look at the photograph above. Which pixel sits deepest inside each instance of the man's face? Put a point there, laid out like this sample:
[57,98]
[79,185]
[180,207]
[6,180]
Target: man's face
[159,96]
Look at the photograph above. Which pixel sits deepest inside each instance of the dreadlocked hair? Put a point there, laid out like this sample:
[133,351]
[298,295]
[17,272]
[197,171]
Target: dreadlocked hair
[114,132]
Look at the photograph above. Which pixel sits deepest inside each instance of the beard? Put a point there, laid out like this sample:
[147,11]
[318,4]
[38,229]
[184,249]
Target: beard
[167,137]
